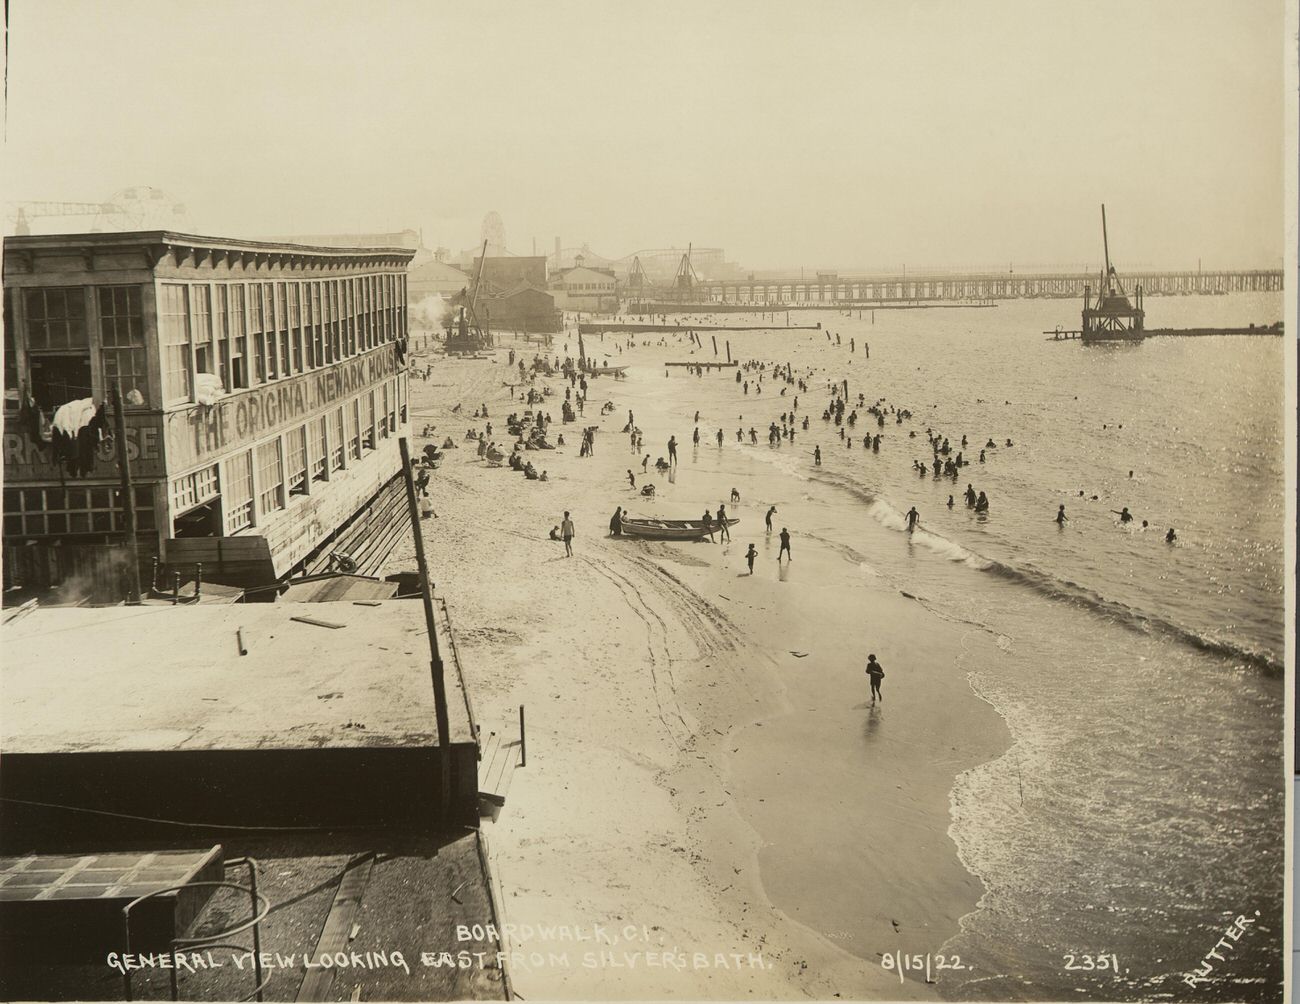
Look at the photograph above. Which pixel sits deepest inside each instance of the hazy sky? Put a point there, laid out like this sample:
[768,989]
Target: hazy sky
[810,133]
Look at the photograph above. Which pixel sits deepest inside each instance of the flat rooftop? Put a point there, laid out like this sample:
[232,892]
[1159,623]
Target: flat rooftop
[162,678]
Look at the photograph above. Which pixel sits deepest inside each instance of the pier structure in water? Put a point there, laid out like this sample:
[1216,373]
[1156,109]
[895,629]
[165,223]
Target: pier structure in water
[864,289]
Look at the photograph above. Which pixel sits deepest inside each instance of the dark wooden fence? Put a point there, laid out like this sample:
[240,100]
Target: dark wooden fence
[90,573]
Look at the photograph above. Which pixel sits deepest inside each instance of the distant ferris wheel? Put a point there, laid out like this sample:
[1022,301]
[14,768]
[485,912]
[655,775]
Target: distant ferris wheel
[141,207]
[494,232]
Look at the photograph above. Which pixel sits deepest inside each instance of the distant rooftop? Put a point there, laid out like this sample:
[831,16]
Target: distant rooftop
[395,239]
[144,238]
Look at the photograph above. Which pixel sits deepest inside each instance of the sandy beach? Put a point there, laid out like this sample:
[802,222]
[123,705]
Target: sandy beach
[700,741]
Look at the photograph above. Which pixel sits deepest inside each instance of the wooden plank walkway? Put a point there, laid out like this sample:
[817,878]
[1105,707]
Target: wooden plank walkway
[336,932]
[498,759]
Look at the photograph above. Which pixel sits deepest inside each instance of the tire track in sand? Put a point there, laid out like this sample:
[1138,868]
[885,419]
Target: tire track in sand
[671,715]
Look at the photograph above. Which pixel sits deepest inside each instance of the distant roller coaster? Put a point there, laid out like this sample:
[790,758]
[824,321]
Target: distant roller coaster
[657,262]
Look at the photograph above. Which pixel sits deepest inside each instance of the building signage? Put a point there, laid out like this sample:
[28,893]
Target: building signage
[27,461]
[204,432]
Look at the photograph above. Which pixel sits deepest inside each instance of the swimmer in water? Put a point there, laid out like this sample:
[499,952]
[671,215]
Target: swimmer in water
[1061,518]
[950,502]
[1124,515]
[1170,537]
[913,517]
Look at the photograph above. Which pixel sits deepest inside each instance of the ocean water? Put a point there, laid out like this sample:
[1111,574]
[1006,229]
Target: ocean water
[1141,806]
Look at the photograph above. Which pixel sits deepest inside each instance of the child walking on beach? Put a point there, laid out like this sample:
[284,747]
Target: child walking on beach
[566,532]
[877,674]
[750,555]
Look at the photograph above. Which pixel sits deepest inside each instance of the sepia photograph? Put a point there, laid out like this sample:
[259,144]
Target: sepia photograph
[911,618]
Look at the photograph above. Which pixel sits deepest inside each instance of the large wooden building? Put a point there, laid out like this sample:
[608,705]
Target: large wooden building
[594,290]
[264,387]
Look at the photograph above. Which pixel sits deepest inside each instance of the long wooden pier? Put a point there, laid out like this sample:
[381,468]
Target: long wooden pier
[705,366]
[587,328]
[1252,329]
[1275,329]
[718,307]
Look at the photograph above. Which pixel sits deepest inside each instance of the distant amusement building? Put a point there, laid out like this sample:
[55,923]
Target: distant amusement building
[494,232]
[141,207]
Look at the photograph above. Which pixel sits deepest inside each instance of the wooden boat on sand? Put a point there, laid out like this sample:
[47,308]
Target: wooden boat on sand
[668,529]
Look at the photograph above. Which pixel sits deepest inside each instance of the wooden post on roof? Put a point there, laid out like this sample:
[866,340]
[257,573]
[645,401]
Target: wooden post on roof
[435,657]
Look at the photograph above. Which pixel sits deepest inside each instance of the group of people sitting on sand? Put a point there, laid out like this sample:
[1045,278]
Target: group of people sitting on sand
[517,463]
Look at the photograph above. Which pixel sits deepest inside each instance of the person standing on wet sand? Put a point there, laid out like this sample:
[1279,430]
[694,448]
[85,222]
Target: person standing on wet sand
[672,449]
[876,673]
[750,555]
[785,546]
[723,532]
[817,456]
[566,533]
[769,518]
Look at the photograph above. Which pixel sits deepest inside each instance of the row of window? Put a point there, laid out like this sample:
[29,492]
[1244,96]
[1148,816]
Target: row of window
[59,344]
[44,512]
[248,334]
[243,334]
[257,482]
